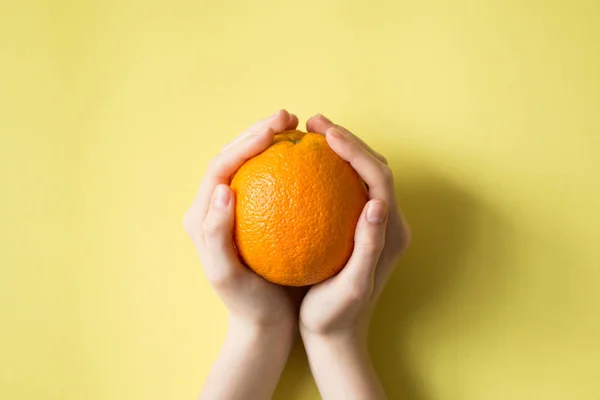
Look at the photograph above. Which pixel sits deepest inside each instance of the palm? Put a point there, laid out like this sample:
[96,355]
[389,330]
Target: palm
[329,304]
[263,302]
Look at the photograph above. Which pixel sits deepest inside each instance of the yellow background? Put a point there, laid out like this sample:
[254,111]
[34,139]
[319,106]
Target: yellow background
[488,110]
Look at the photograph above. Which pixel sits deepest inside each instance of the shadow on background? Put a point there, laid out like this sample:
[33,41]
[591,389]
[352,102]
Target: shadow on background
[442,218]
[446,223]
[296,381]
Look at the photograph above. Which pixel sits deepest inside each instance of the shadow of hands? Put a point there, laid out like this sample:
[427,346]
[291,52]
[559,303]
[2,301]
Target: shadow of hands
[441,216]
[449,227]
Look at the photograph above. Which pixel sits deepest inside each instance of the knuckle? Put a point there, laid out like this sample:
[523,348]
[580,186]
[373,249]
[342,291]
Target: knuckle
[372,249]
[387,174]
[222,279]
[211,228]
[405,237]
[354,149]
[185,222]
[357,292]
[216,163]
[189,223]
[401,239]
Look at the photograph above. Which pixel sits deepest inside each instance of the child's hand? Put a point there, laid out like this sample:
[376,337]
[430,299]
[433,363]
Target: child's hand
[209,222]
[335,314]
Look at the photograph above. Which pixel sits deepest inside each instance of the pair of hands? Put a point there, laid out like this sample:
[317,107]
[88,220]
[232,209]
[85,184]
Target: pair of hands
[341,305]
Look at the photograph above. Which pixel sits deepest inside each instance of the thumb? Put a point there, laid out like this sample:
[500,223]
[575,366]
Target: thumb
[369,240]
[217,228]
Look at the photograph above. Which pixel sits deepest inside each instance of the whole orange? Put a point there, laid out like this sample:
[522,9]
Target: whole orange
[297,207]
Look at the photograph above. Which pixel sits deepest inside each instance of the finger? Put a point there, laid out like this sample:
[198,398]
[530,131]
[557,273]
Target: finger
[377,176]
[320,124]
[398,239]
[225,165]
[292,123]
[279,122]
[369,240]
[221,264]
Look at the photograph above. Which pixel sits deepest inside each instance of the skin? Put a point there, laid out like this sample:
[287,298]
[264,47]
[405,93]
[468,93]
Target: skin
[334,316]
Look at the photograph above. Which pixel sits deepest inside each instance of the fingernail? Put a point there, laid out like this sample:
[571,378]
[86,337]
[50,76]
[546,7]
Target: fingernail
[222,196]
[376,212]
[336,133]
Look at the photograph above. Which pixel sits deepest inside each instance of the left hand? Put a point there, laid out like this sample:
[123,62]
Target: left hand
[250,300]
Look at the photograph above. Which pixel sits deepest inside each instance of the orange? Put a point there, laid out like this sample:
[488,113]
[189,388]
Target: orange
[297,207]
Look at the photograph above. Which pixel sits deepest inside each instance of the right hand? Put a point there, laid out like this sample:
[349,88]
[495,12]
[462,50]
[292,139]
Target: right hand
[344,303]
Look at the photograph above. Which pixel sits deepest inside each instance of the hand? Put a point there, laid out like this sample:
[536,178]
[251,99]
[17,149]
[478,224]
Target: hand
[209,222]
[262,316]
[335,314]
[345,302]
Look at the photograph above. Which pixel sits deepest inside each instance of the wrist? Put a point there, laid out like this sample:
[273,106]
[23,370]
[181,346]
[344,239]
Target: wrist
[348,340]
[351,335]
[342,366]
[280,335]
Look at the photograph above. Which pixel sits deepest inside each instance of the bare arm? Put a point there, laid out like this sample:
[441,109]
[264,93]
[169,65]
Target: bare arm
[250,362]
[342,367]
[262,316]
[335,314]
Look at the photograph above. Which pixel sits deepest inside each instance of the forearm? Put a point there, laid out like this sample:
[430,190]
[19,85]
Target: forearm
[250,362]
[342,367]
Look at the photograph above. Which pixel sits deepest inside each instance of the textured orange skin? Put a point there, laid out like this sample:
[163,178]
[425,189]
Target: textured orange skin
[297,207]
